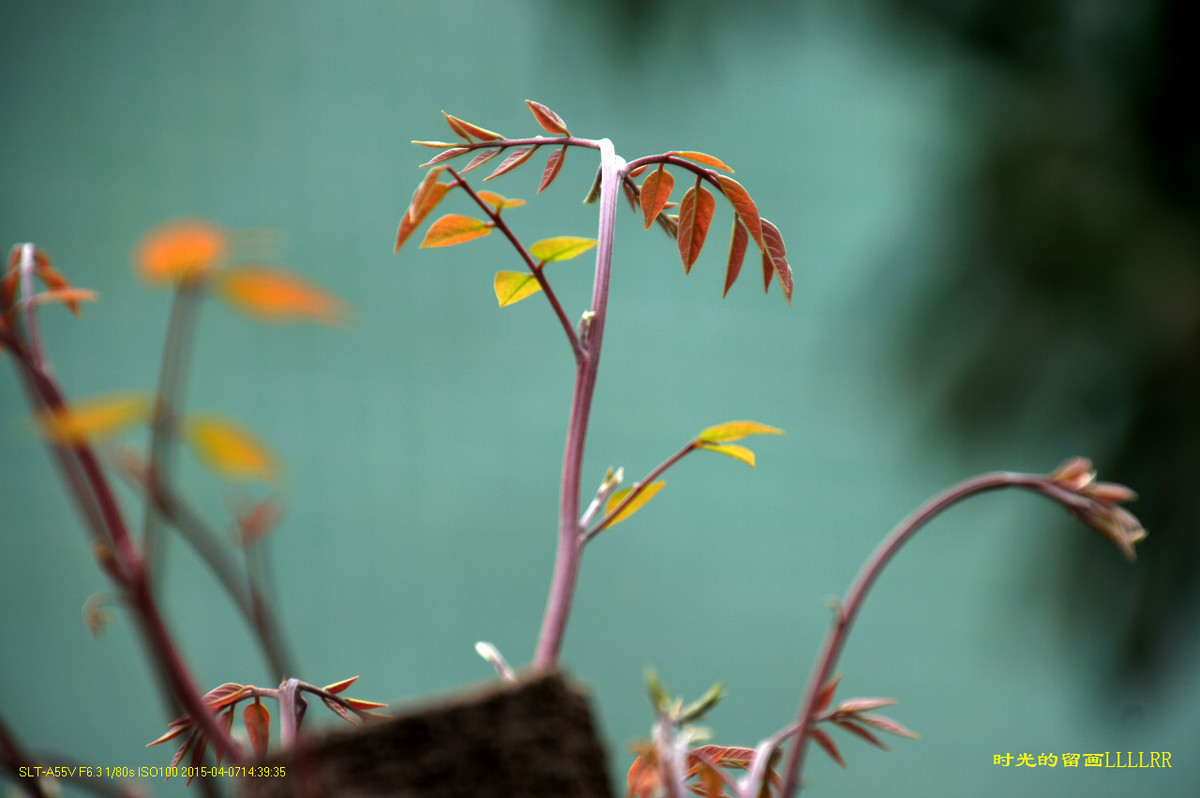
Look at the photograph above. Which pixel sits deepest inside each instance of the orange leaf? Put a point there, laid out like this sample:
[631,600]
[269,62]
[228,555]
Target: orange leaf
[277,295]
[224,695]
[498,201]
[58,285]
[655,194]
[428,194]
[827,743]
[643,779]
[93,419]
[695,215]
[176,728]
[775,260]
[553,165]
[549,120]
[455,229]
[744,207]
[181,251]
[702,158]
[638,502]
[358,703]
[510,163]
[258,726]
[467,130]
[230,450]
[338,687]
[737,253]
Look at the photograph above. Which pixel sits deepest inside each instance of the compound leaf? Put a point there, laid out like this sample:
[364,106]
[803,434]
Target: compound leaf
[695,215]
[561,248]
[512,287]
[655,194]
[454,229]
[549,120]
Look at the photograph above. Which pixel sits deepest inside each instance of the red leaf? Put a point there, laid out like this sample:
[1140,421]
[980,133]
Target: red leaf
[185,747]
[854,728]
[428,194]
[730,756]
[197,760]
[744,207]
[695,215]
[224,695]
[826,694]
[338,709]
[515,159]
[700,157]
[775,260]
[888,725]
[656,193]
[825,742]
[553,164]
[446,155]
[338,687]
[549,120]
[174,729]
[467,130]
[631,194]
[226,721]
[481,158]
[258,727]
[737,253]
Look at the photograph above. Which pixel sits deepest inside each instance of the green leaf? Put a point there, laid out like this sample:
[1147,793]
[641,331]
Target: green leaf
[638,502]
[512,287]
[454,229]
[561,248]
[732,450]
[736,430]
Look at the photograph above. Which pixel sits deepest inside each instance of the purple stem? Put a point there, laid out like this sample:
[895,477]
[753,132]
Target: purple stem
[570,543]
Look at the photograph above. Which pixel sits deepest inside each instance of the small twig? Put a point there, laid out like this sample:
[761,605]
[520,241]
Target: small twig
[638,489]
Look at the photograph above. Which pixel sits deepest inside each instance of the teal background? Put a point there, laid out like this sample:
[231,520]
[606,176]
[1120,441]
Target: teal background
[424,442]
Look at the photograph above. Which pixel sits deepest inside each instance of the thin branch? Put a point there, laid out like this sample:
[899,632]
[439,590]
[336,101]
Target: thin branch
[535,268]
[638,489]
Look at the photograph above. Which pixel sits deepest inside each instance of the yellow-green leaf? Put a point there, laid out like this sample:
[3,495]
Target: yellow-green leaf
[93,419]
[638,502]
[561,248]
[735,430]
[230,450]
[454,229]
[732,450]
[512,287]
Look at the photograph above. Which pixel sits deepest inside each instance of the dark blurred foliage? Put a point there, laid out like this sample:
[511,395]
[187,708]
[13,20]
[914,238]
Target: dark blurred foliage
[1079,268]
[1071,297]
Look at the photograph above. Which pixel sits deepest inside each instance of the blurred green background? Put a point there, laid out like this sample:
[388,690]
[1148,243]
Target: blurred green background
[991,213]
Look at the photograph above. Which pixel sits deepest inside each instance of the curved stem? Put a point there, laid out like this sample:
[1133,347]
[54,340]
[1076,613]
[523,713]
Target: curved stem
[570,544]
[848,610]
